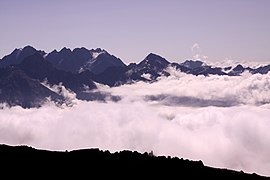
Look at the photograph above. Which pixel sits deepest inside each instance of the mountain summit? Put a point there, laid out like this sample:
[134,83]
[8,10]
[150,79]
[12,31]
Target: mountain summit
[17,56]
[154,62]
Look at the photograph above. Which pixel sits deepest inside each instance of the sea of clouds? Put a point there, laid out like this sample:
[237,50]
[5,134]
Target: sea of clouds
[223,121]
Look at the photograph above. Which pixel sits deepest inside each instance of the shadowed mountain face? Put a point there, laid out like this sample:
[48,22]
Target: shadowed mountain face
[192,64]
[198,68]
[261,70]
[37,67]
[82,59]
[22,84]
[147,70]
[238,70]
[17,56]
[101,60]
[16,88]
[118,164]
[153,64]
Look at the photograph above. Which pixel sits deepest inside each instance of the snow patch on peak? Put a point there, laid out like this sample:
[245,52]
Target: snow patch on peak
[96,54]
[81,70]
[92,60]
[45,55]
[146,76]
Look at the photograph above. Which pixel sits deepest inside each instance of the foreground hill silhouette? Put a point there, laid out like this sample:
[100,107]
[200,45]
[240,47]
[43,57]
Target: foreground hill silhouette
[92,162]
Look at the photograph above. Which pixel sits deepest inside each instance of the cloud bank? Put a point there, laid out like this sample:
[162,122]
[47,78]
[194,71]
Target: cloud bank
[247,89]
[177,121]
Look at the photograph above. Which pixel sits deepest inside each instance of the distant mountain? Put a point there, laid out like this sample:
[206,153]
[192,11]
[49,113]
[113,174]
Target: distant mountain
[78,70]
[191,64]
[236,71]
[153,64]
[115,76]
[82,59]
[261,70]
[198,68]
[21,84]
[36,67]
[16,88]
[101,60]
[151,67]
[207,70]
[18,55]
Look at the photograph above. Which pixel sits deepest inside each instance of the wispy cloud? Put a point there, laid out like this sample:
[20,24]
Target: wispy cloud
[197,52]
[195,47]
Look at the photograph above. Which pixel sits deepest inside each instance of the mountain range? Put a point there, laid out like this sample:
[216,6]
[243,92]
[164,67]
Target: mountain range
[27,74]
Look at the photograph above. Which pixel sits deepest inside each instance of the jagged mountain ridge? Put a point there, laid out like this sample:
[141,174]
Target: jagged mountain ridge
[17,56]
[36,67]
[78,70]
[99,60]
[75,61]
[82,59]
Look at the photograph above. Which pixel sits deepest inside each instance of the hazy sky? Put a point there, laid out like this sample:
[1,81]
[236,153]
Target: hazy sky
[129,29]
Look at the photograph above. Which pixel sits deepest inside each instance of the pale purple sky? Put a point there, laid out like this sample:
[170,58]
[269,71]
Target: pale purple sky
[235,29]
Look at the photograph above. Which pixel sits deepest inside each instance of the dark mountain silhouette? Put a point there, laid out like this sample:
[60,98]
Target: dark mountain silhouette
[207,70]
[192,64]
[115,76]
[101,60]
[16,88]
[153,65]
[78,69]
[198,68]
[67,60]
[37,67]
[82,59]
[21,84]
[153,62]
[180,67]
[261,70]
[228,68]
[238,70]
[97,163]
[17,56]
[98,61]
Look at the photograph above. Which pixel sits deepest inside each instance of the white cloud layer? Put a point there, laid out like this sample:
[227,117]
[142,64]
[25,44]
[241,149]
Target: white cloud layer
[176,123]
[226,91]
